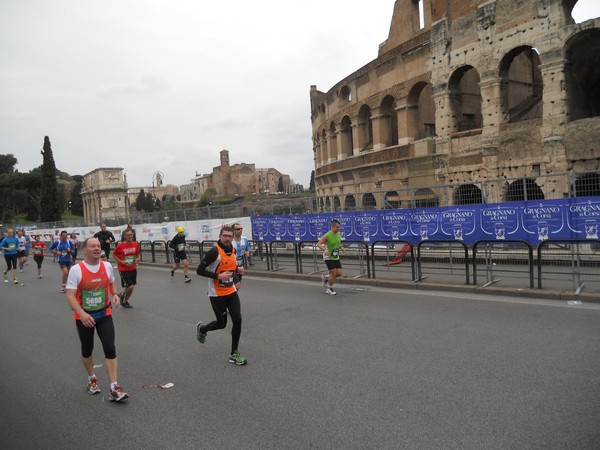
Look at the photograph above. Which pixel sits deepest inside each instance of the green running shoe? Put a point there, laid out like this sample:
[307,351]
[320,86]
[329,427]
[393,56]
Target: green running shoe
[199,334]
[237,359]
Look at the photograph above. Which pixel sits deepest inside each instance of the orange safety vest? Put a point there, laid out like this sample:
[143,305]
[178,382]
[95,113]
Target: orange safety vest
[223,263]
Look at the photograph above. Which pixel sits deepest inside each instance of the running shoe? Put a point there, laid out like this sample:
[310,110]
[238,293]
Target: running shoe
[172,273]
[121,296]
[199,334]
[237,359]
[21,270]
[40,277]
[5,276]
[117,394]
[187,280]
[324,279]
[15,281]
[92,386]
[330,291]
[126,305]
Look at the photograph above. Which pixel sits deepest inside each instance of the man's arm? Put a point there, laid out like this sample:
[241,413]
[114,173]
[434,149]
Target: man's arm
[209,258]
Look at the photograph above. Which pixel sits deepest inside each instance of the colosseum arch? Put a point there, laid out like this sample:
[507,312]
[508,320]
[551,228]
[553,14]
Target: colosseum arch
[365,128]
[345,95]
[327,204]
[583,74]
[368,201]
[523,189]
[465,99]
[337,207]
[350,203]
[522,85]
[388,122]
[391,200]
[421,111]
[323,144]
[332,144]
[467,194]
[346,136]
[586,185]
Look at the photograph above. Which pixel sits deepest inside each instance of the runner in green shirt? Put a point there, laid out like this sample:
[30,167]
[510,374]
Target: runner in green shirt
[331,245]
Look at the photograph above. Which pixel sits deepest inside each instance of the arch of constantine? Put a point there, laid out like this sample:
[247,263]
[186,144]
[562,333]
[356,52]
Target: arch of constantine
[489,99]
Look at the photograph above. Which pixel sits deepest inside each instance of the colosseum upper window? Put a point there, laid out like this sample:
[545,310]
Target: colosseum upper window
[465,99]
[582,74]
[345,95]
[521,85]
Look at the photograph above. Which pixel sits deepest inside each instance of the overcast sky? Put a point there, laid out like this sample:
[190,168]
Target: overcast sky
[165,85]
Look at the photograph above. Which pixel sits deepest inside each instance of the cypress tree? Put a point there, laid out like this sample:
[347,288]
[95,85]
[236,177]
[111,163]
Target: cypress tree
[50,205]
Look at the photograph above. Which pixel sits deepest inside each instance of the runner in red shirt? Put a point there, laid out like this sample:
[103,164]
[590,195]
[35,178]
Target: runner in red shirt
[38,254]
[127,255]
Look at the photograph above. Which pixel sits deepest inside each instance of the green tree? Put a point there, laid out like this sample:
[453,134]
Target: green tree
[76,198]
[51,209]
[207,196]
[7,163]
[280,185]
[149,203]
[139,200]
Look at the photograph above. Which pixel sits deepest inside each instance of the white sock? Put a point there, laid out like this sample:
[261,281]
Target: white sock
[91,376]
[112,386]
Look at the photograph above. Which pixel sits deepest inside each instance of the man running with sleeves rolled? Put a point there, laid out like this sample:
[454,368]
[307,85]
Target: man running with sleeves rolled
[90,290]
[127,255]
[219,265]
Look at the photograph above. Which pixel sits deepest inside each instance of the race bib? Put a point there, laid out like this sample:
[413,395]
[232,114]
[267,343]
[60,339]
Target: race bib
[335,253]
[37,251]
[180,247]
[129,260]
[226,283]
[93,300]
[12,246]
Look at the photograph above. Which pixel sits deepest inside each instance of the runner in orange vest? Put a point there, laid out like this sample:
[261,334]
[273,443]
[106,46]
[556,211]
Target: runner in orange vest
[220,267]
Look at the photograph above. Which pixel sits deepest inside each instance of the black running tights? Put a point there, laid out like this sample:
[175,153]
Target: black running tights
[220,306]
[106,333]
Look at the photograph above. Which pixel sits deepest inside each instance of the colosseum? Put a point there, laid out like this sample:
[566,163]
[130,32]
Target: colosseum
[467,102]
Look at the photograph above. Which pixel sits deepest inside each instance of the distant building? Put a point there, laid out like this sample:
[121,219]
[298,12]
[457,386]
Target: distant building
[104,195]
[157,191]
[239,179]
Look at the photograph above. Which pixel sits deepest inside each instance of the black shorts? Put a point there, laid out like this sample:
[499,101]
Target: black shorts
[333,264]
[21,253]
[128,277]
[179,256]
[63,264]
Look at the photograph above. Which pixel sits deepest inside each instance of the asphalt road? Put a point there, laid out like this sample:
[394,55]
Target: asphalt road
[370,368]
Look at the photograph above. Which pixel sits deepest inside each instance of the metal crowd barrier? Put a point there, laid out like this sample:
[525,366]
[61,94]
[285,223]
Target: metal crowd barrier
[574,260]
[449,258]
[511,262]
[396,256]
[508,257]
